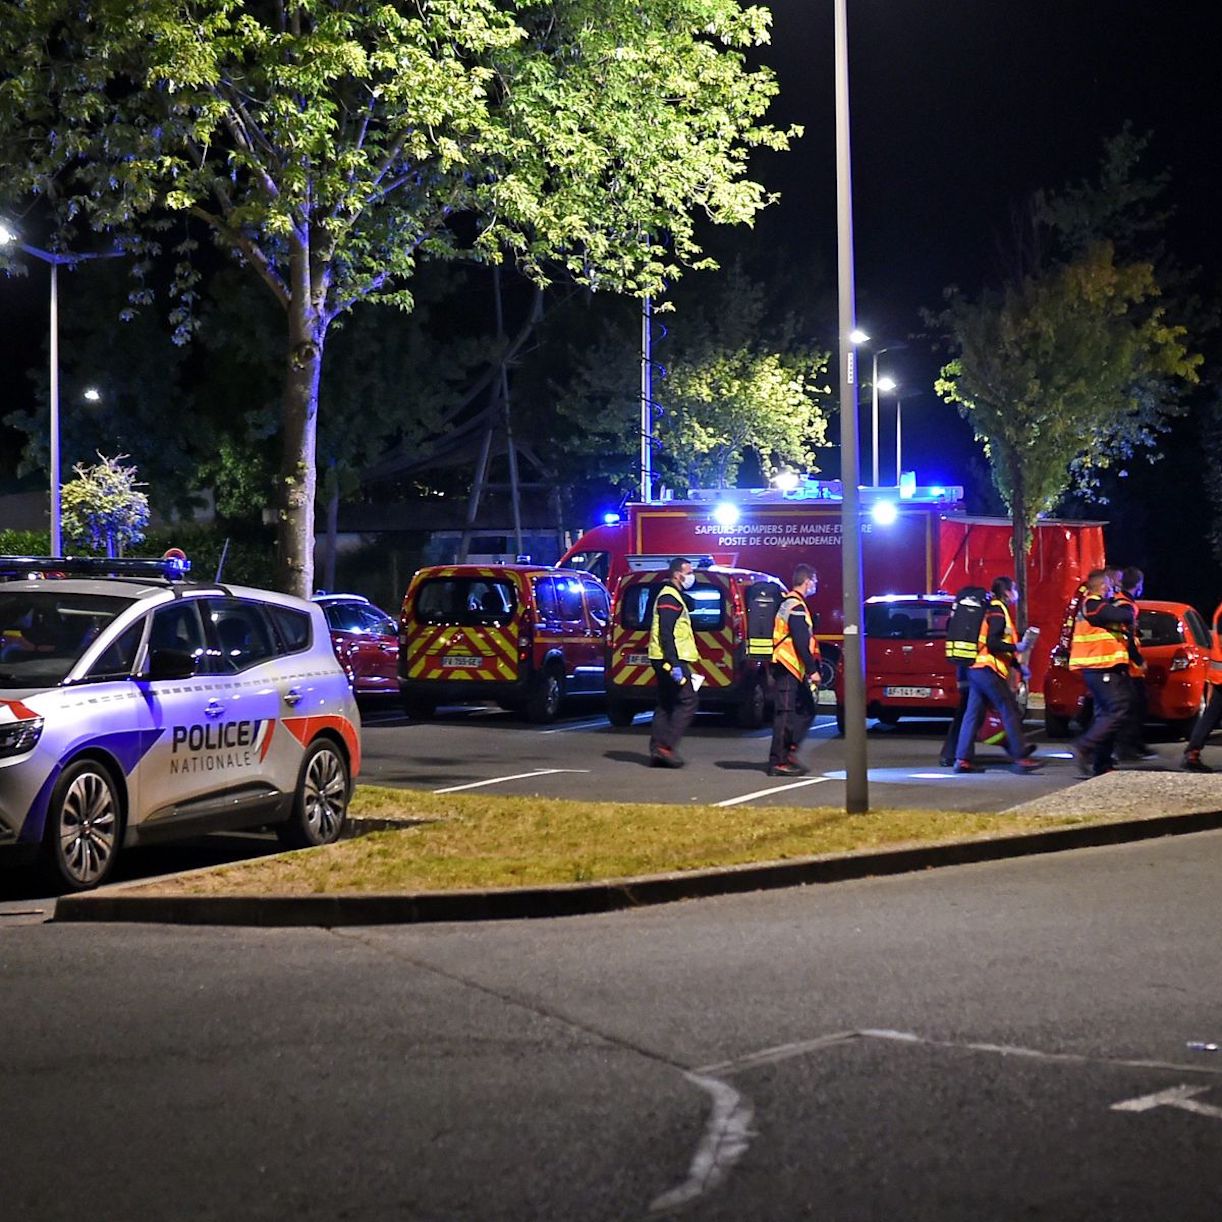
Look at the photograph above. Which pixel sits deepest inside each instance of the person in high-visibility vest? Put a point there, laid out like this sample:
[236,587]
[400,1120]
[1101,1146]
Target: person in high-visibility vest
[795,674]
[1212,714]
[997,651]
[673,652]
[1099,652]
[1130,736]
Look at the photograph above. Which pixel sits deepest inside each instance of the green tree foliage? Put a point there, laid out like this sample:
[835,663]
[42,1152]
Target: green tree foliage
[330,145]
[103,509]
[1072,364]
[730,382]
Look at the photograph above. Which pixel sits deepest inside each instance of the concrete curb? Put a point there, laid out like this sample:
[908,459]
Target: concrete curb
[575,899]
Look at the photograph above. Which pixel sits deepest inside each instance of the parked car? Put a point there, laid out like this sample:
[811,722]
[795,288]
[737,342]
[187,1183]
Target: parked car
[135,708]
[522,635]
[732,613]
[366,642]
[1174,640]
[907,672]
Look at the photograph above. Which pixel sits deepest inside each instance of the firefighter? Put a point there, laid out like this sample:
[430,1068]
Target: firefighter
[997,651]
[795,674]
[1130,737]
[1099,652]
[672,650]
[1208,720]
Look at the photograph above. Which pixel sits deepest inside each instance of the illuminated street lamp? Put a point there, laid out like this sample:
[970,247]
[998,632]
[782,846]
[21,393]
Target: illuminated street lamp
[92,395]
[55,259]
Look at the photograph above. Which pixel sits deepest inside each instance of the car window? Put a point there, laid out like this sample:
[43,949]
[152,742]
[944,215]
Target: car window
[344,617]
[908,621]
[376,622]
[1199,629]
[178,627]
[704,601]
[597,602]
[293,627]
[636,605]
[568,599]
[706,605]
[1159,628]
[465,601]
[44,632]
[242,633]
[597,563]
[119,656]
[545,598]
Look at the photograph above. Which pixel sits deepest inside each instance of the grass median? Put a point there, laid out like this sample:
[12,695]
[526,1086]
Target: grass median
[409,840]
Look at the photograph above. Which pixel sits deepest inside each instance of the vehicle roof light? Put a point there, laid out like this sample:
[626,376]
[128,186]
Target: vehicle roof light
[726,514]
[884,512]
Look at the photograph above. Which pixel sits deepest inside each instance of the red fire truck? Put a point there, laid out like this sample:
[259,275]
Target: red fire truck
[915,540]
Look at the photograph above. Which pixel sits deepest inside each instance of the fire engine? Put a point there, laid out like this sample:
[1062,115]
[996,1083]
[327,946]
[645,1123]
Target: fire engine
[915,540]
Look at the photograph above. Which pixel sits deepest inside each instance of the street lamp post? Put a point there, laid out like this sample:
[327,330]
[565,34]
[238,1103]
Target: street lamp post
[874,405]
[56,260]
[856,774]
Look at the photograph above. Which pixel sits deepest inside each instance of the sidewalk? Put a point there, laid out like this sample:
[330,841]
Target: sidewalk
[1145,804]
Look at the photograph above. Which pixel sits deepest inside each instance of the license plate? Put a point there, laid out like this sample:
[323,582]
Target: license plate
[908,693]
[638,659]
[461,662]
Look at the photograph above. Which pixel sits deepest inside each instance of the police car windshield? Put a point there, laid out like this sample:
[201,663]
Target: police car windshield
[44,632]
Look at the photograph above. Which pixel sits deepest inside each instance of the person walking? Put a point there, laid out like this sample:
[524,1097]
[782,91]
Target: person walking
[673,652]
[1099,652]
[1212,713]
[795,674]
[997,652]
[1130,737]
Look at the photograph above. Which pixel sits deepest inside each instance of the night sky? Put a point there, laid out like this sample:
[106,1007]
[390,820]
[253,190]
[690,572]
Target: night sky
[960,109]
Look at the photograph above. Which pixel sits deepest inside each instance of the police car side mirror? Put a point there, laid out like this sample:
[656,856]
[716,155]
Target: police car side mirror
[170,664]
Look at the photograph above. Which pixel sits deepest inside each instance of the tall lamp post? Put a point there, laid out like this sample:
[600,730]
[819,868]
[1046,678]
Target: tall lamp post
[856,770]
[877,352]
[56,260]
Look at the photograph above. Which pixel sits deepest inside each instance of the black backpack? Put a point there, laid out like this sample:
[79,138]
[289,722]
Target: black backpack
[963,627]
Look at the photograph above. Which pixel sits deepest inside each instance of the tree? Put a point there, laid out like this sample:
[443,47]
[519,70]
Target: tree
[330,145]
[1073,363]
[733,381]
[103,507]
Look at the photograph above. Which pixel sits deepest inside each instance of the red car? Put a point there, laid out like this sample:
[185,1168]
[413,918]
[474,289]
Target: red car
[1175,642]
[907,674]
[366,642]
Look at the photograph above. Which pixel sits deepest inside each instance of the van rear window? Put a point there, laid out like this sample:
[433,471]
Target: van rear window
[704,601]
[468,601]
[907,621]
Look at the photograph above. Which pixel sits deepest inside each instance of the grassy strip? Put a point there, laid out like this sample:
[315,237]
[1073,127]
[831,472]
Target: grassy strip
[458,841]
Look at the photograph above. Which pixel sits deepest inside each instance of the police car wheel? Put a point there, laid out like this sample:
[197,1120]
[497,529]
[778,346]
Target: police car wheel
[84,826]
[320,805]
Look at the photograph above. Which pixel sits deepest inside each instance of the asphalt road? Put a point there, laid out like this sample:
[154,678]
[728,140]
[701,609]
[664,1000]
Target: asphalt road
[1000,1041]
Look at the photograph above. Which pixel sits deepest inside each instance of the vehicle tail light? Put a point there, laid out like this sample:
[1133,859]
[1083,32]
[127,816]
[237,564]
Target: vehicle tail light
[1180,660]
[526,633]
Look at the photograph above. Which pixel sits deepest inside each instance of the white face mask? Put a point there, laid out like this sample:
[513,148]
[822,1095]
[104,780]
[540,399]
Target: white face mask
[687,580]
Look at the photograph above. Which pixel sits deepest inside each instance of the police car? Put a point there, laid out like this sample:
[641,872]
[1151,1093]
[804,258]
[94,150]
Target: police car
[136,707]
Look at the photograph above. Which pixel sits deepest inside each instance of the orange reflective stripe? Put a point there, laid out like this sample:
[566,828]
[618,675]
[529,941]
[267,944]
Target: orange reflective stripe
[783,649]
[985,660]
[1095,648]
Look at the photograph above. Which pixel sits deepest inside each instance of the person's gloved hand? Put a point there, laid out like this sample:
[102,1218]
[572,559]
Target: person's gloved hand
[812,681]
[678,675]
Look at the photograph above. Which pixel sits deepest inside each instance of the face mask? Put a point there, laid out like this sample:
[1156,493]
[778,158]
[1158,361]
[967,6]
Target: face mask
[687,581]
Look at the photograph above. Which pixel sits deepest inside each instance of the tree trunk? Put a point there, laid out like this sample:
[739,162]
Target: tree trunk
[1018,521]
[298,425]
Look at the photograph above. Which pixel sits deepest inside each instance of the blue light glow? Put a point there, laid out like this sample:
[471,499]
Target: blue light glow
[726,514]
[884,513]
[610,519]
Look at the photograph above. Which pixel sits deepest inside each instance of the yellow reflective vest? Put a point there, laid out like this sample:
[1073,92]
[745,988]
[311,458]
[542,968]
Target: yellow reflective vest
[985,659]
[685,638]
[783,651]
[1094,647]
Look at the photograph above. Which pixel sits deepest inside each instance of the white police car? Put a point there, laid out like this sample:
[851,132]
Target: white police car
[135,707]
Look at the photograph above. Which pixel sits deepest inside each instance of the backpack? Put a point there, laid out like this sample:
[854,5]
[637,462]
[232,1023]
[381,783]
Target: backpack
[963,627]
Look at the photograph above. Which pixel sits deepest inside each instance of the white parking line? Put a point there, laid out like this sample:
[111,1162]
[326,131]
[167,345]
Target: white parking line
[517,776]
[1176,1096]
[601,723]
[764,793]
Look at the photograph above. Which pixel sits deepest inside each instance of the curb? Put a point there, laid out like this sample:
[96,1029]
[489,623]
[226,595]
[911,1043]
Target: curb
[577,899]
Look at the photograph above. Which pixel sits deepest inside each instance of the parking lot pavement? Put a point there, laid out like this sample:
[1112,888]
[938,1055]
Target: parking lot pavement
[584,756]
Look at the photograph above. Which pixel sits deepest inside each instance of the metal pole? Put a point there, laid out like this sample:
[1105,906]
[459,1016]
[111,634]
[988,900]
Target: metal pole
[899,442]
[856,784]
[646,401]
[56,536]
[874,415]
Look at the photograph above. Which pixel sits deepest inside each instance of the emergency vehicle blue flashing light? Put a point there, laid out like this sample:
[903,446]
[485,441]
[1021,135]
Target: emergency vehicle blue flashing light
[726,514]
[884,512]
[611,519]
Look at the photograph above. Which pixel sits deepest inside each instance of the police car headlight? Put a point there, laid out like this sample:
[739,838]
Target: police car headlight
[18,737]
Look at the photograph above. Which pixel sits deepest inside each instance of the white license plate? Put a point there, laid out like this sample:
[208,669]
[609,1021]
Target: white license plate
[461,662]
[908,693]
[638,659]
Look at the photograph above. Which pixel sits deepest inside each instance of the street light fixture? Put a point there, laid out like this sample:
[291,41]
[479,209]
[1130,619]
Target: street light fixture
[92,395]
[887,384]
[55,259]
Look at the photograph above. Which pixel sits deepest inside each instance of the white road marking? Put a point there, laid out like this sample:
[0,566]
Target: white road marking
[1175,1096]
[517,776]
[764,793]
[782,1052]
[601,724]
[726,1137]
